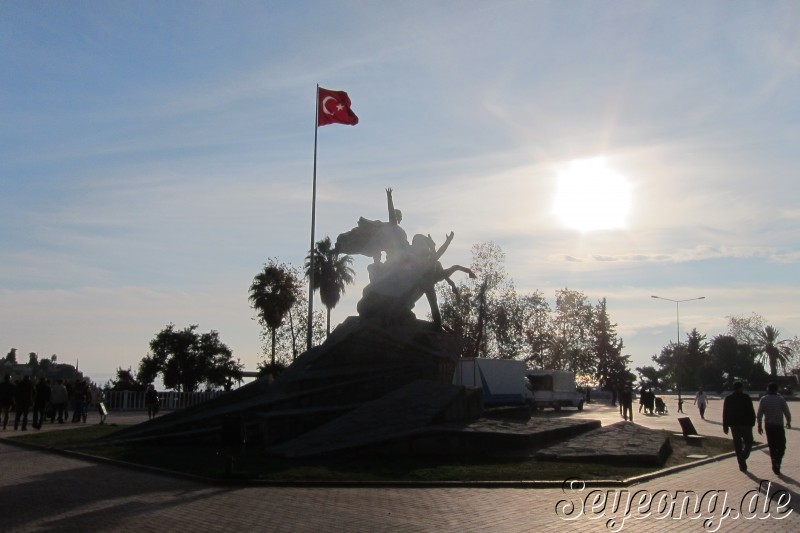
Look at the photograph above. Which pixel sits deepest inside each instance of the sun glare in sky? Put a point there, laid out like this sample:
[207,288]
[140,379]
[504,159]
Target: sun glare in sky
[591,196]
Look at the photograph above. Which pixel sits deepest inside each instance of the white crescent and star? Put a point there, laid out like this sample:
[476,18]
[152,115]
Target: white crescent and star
[339,106]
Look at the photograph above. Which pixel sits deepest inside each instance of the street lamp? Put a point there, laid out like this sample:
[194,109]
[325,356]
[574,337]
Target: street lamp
[677,310]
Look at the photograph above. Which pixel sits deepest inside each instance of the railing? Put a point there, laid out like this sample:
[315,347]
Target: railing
[129,400]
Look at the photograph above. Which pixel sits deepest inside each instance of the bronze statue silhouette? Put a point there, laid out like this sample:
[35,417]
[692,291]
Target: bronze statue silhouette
[410,271]
[371,237]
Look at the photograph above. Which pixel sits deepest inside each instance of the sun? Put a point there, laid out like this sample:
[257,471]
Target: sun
[591,196]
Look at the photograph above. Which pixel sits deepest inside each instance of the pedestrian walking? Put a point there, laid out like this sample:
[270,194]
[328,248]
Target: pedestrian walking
[642,398]
[772,409]
[6,398]
[151,401]
[626,403]
[78,398]
[98,398]
[58,399]
[701,401]
[41,397]
[739,416]
[23,398]
[651,401]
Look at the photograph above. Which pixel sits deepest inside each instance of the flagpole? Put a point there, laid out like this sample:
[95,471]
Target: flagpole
[313,222]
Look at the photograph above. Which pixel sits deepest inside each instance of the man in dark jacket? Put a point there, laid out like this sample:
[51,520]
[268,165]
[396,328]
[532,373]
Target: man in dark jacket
[40,400]
[739,416]
[6,398]
[23,398]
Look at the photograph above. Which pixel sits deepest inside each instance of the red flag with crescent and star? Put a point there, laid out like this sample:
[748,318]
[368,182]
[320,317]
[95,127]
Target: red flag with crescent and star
[334,108]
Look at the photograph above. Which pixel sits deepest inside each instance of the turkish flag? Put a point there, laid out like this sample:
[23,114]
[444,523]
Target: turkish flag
[333,107]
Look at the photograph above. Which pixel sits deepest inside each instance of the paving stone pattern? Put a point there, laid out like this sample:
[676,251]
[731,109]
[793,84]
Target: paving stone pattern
[45,492]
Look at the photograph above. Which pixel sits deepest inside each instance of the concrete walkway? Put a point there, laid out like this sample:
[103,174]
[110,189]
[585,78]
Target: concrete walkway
[49,492]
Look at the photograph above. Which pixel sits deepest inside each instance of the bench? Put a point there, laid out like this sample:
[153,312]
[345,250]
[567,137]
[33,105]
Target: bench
[689,432]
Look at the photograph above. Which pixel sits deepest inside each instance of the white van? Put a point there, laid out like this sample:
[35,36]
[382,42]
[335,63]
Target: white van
[553,388]
[502,380]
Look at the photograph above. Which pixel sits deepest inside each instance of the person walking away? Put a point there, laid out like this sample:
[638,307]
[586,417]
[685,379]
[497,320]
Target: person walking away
[772,409]
[41,397]
[739,416]
[6,398]
[680,402]
[59,397]
[701,401]
[642,398]
[82,399]
[98,398]
[651,401]
[151,401]
[23,398]
[626,402]
[78,398]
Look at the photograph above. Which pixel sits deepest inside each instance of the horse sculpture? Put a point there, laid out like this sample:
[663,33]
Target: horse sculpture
[410,271]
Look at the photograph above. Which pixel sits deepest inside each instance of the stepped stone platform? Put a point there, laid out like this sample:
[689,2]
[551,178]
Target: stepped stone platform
[399,416]
[417,420]
[387,389]
[359,363]
[621,443]
[499,436]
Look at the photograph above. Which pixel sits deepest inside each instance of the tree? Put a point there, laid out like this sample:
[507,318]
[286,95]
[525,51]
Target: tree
[611,366]
[774,353]
[284,343]
[272,294]
[186,359]
[485,311]
[496,322]
[650,376]
[572,325]
[731,361]
[11,356]
[794,363]
[290,337]
[332,273]
[125,381]
[683,366]
[45,367]
[746,329]
[33,362]
[536,330]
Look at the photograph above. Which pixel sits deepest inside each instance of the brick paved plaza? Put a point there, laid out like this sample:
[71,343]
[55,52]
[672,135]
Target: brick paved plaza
[50,492]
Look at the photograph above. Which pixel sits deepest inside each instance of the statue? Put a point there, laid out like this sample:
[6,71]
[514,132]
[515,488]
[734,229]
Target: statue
[371,237]
[410,271]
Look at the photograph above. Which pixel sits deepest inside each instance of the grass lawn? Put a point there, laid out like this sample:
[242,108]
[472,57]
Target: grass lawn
[253,464]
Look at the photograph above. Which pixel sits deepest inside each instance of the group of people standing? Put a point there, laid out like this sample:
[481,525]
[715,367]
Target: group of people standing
[647,400]
[45,399]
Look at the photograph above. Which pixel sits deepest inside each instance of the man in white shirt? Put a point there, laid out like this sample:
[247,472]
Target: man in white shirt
[772,409]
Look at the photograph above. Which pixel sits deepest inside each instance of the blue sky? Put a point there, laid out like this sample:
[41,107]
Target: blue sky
[153,155]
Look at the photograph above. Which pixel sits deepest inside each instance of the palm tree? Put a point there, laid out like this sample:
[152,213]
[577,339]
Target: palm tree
[332,272]
[774,352]
[272,294]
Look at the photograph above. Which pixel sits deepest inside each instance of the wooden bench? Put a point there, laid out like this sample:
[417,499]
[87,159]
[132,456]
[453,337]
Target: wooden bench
[689,432]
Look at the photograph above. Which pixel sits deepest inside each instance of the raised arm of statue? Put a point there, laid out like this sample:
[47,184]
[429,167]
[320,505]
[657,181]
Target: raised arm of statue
[443,247]
[450,271]
[394,214]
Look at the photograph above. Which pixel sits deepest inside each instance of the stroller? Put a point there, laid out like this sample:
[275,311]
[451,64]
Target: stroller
[661,407]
